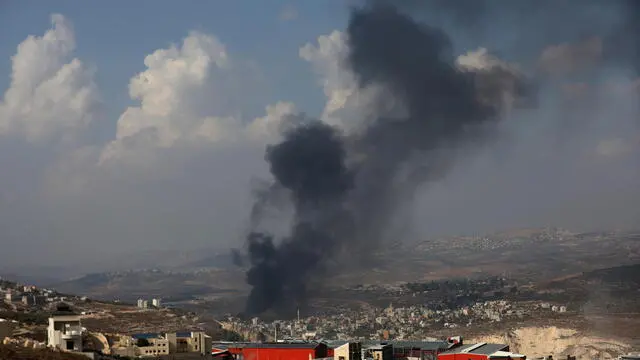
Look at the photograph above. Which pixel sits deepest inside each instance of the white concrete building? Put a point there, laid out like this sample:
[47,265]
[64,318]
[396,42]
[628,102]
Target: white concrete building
[65,329]
[348,351]
[156,302]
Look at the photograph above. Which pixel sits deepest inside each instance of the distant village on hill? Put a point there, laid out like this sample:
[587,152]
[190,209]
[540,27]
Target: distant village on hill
[437,320]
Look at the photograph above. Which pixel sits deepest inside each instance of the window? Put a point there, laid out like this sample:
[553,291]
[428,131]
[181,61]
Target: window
[69,344]
[341,358]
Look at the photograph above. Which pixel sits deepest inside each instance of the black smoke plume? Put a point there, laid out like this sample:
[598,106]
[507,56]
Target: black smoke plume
[310,163]
[339,207]
[347,190]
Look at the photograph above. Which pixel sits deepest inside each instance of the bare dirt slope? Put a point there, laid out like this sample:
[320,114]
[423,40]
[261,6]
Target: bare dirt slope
[559,342]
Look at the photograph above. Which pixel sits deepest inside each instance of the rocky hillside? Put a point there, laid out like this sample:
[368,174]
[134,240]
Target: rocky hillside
[537,342]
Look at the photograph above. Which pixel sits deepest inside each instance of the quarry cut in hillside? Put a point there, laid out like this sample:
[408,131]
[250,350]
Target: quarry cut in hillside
[538,342]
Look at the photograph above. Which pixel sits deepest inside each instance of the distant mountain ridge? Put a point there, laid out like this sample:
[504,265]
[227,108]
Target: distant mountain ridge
[535,253]
[168,285]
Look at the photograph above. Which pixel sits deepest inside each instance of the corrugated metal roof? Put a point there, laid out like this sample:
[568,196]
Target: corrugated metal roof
[377,346]
[506,355]
[488,349]
[483,349]
[336,343]
[276,345]
[423,345]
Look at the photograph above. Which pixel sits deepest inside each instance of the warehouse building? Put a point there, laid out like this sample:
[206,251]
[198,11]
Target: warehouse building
[423,350]
[276,351]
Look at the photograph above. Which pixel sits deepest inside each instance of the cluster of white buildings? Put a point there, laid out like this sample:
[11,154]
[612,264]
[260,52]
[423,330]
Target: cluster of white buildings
[144,304]
[65,332]
[27,295]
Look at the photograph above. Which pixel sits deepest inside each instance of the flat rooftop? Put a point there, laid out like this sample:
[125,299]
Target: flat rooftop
[481,349]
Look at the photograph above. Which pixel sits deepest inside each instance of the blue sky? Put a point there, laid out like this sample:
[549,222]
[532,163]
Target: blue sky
[115,36]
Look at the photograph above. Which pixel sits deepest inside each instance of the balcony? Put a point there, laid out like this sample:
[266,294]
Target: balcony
[71,332]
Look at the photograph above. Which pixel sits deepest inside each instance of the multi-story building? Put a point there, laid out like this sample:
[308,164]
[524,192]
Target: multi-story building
[156,302]
[151,345]
[65,329]
[169,343]
[32,299]
[12,296]
[143,304]
[194,341]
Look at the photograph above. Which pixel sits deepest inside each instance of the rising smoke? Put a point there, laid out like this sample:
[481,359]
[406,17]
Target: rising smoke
[347,190]
[340,206]
[310,163]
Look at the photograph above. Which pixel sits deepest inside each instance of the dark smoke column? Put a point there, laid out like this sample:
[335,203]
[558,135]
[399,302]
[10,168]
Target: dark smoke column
[443,108]
[310,164]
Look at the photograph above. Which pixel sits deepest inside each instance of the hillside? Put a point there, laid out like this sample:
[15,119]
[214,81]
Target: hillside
[12,352]
[527,254]
[602,292]
[170,286]
[559,342]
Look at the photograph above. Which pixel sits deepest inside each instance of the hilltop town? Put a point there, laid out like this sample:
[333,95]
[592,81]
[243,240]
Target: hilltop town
[492,310]
[585,307]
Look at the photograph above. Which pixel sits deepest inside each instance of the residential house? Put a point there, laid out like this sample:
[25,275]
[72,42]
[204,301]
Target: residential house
[193,341]
[151,345]
[65,329]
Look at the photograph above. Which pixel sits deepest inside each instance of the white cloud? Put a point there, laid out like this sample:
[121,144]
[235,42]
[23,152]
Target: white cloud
[164,89]
[499,84]
[184,101]
[482,60]
[270,126]
[349,106]
[50,94]
[345,99]
[179,165]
